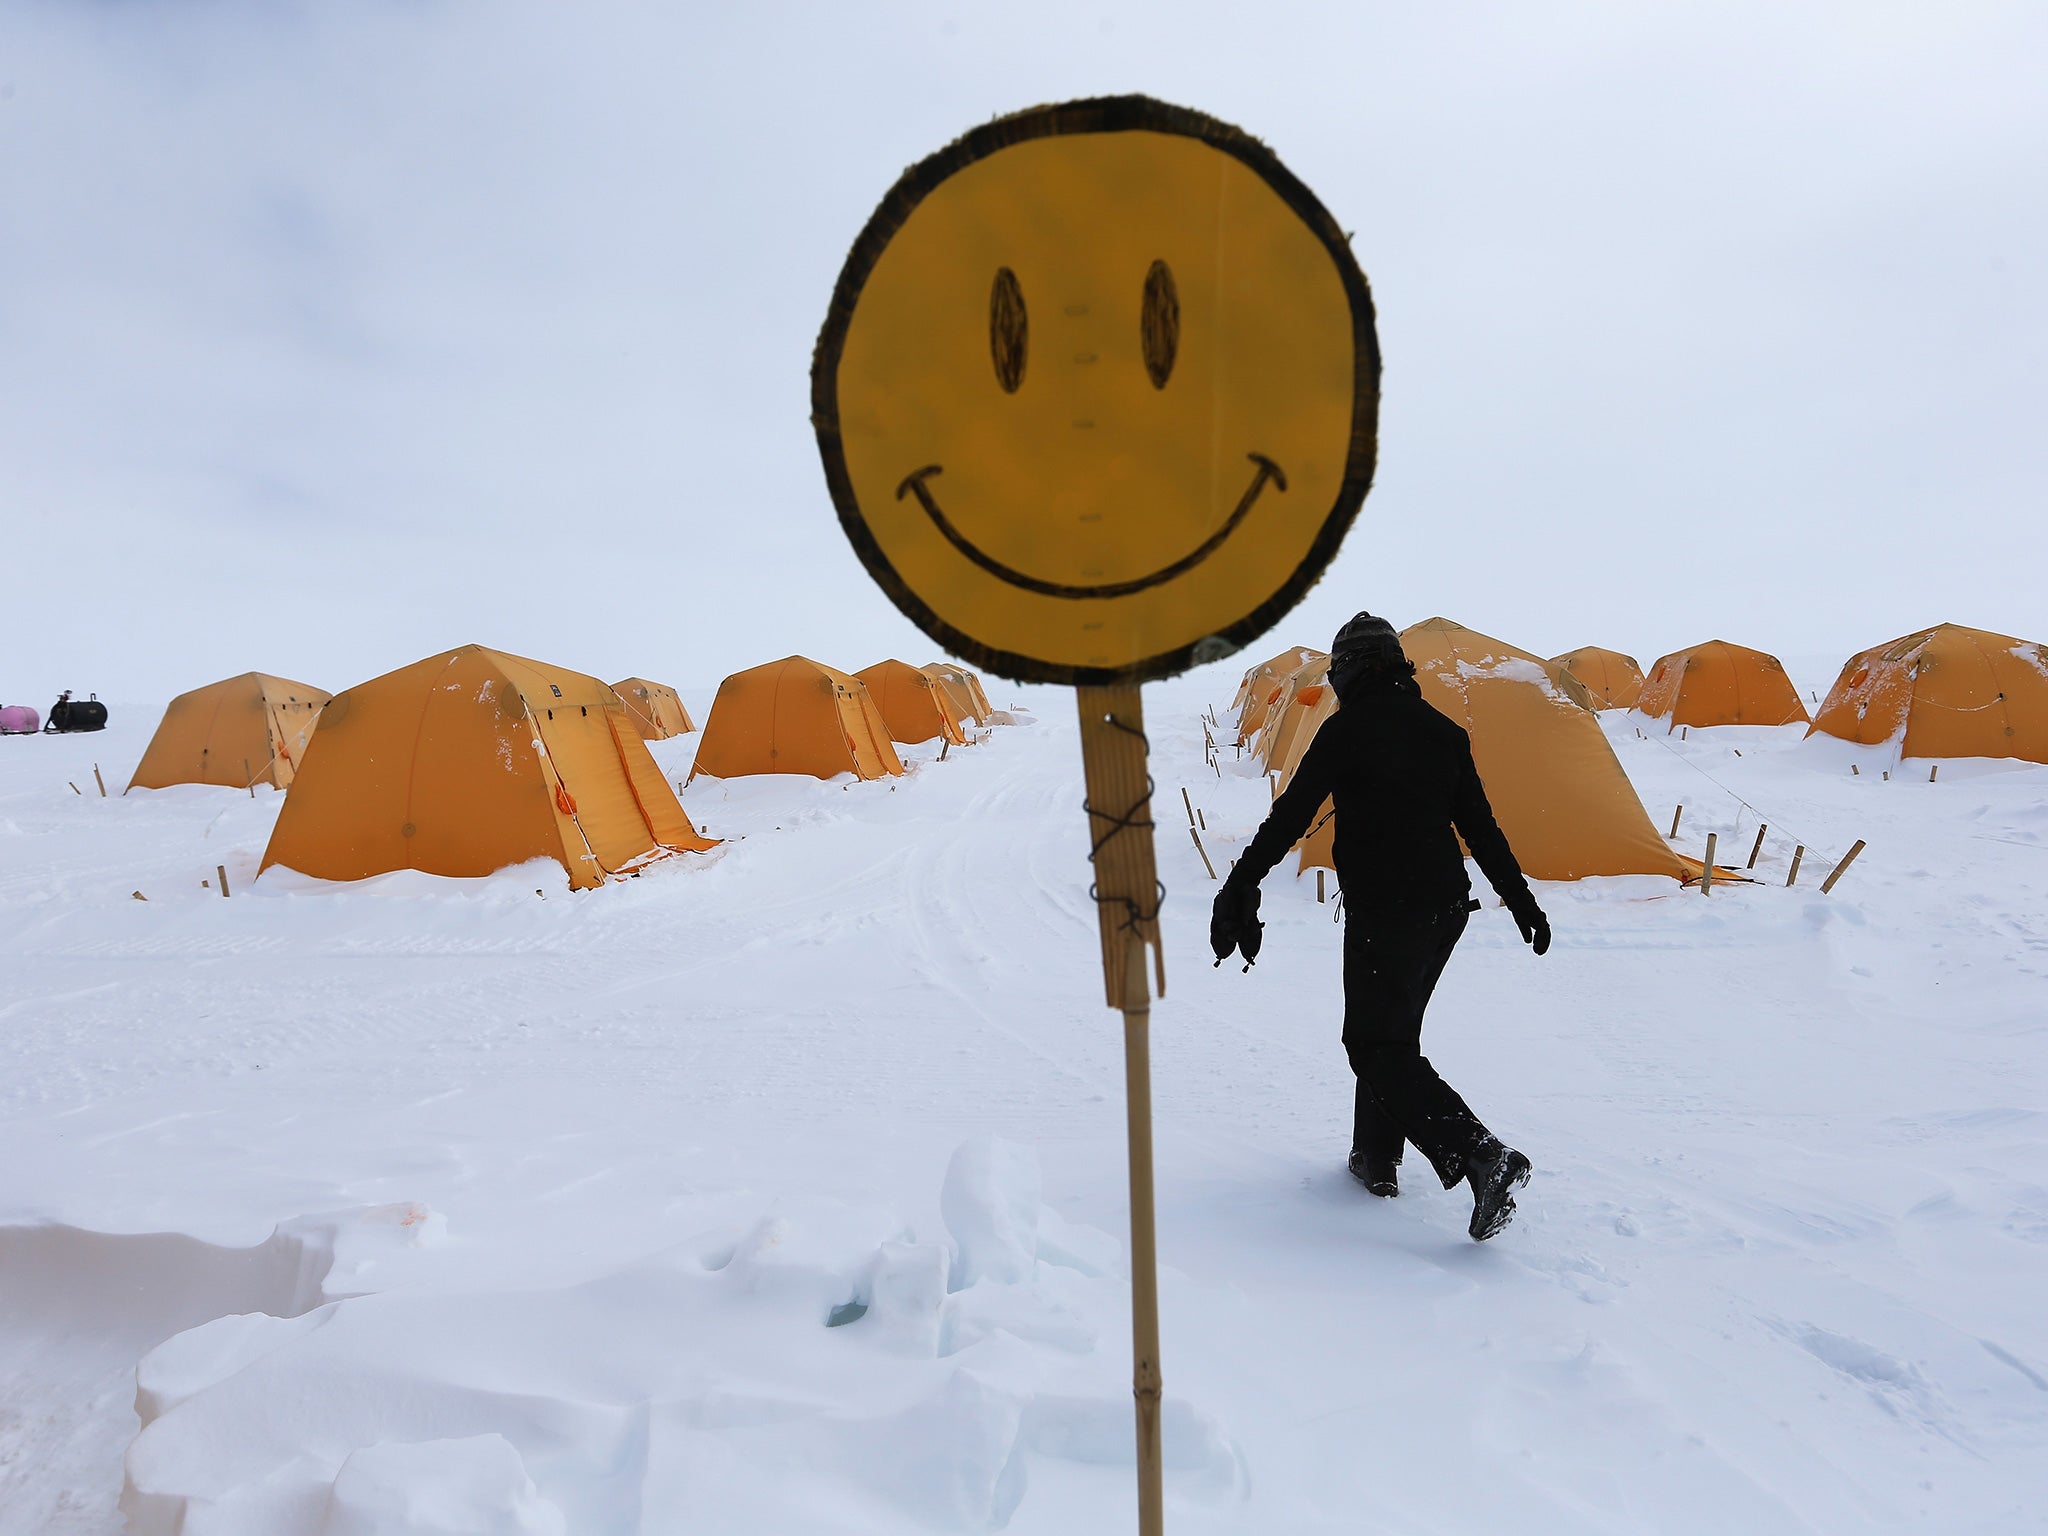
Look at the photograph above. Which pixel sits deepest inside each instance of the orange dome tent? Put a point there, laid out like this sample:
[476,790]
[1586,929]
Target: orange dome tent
[795,716]
[961,689]
[472,760]
[913,703]
[1289,727]
[1261,687]
[655,709]
[1266,672]
[1944,692]
[1612,679]
[245,730]
[1555,785]
[1720,684]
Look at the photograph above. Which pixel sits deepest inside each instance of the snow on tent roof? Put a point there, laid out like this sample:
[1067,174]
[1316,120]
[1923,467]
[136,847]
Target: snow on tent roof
[1948,691]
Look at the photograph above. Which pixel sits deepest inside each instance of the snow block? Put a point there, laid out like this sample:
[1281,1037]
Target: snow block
[1086,1250]
[990,1201]
[906,1293]
[811,1256]
[951,1459]
[471,1487]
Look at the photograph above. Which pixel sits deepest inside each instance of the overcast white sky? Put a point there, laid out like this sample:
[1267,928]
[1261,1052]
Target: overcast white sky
[334,334]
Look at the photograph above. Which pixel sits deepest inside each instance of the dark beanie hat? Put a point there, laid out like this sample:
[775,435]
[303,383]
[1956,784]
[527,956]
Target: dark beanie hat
[1366,647]
[1366,637]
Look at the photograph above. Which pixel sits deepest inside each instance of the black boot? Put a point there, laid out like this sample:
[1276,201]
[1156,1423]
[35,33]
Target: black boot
[1495,1172]
[1381,1175]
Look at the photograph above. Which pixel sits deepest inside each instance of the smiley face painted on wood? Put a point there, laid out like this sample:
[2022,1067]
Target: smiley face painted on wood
[1098,392]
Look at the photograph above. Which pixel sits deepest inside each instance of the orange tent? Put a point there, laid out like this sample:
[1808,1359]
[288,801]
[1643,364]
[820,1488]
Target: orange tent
[966,699]
[1555,785]
[1720,684]
[245,730]
[1300,693]
[1260,689]
[655,709]
[1612,679]
[1944,692]
[913,703]
[472,760]
[795,716]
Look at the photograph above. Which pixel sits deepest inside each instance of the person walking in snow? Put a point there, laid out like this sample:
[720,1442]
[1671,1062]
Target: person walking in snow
[1405,789]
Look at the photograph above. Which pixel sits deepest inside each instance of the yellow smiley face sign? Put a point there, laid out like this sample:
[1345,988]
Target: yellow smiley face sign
[1098,393]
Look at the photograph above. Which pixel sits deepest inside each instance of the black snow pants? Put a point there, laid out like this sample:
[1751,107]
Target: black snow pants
[1390,970]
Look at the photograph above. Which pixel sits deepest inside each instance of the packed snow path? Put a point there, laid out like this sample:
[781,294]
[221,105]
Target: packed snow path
[526,1212]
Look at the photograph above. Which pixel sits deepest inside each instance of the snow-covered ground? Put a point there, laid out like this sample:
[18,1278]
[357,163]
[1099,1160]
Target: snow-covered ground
[432,1206]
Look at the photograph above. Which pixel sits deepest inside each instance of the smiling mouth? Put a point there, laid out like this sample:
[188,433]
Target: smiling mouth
[914,485]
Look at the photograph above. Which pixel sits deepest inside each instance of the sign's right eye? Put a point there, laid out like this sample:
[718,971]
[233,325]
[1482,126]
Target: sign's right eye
[1159,324]
[1009,330]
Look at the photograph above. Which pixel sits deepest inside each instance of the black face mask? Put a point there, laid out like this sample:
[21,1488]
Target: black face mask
[1344,671]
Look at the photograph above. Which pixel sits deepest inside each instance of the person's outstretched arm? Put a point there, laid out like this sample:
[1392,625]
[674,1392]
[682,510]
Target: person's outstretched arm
[1292,812]
[1234,920]
[1473,817]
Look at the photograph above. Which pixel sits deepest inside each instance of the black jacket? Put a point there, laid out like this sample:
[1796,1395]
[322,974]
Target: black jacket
[1405,788]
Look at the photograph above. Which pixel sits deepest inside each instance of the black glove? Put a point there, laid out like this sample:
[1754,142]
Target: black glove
[1234,922]
[1534,925]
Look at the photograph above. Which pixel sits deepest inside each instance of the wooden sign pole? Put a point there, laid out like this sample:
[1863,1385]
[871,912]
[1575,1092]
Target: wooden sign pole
[1127,902]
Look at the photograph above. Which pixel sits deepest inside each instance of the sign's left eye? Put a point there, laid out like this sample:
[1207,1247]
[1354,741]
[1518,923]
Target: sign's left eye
[1009,330]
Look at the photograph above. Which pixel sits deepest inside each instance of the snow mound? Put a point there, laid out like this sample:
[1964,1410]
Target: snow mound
[677,1391]
[991,1206]
[472,1487]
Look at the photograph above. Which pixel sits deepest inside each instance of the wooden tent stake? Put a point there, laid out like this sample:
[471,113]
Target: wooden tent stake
[1203,852]
[1201,820]
[99,781]
[1847,859]
[1932,772]
[222,871]
[1674,822]
[1707,870]
[1127,905]
[74,788]
[1319,887]
[1793,878]
[1187,804]
[249,778]
[1757,847]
